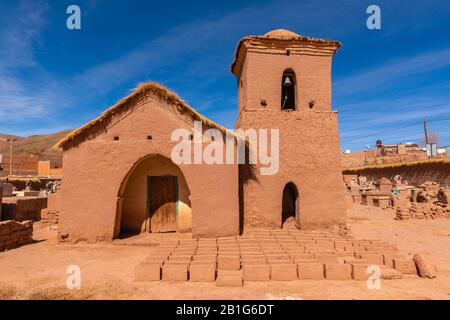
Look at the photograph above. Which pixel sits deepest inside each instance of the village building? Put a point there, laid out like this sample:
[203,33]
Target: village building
[130,184]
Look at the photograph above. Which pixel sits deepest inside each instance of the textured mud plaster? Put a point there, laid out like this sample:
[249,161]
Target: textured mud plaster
[94,198]
[309,137]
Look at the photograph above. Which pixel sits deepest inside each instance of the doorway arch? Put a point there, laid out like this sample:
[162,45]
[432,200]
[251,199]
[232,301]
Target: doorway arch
[289,202]
[153,197]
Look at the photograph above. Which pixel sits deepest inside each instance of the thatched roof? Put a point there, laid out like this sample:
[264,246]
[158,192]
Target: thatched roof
[283,35]
[97,126]
[397,165]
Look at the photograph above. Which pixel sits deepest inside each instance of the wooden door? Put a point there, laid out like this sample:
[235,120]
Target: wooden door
[162,203]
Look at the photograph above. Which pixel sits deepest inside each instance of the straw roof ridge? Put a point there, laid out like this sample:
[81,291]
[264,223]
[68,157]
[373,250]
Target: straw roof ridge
[397,165]
[99,124]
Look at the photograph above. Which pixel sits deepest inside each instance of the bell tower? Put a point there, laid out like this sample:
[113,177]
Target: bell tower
[284,83]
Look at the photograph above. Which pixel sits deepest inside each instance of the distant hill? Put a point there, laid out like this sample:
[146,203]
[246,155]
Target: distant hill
[40,145]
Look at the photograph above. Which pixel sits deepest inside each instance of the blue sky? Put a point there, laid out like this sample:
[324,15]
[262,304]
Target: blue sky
[385,82]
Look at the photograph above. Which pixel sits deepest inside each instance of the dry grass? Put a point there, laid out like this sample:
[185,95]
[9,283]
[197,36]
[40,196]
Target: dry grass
[398,165]
[79,135]
[7,292]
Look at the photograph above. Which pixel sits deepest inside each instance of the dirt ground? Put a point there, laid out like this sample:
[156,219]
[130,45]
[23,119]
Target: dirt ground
[39,270]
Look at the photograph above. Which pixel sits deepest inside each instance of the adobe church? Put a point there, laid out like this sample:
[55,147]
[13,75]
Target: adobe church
[120,180]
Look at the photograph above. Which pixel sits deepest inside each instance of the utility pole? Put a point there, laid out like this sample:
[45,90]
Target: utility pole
[11,140]
[425,130]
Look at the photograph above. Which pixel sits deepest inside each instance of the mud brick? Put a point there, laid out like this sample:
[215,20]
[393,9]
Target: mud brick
[187,246]
[188,242]
[229,263]
[181,252]
[353,248]
[336,271]
[169,242]
[253,262]
[324,251]
[250,248]
[229,248]
[229,253]
[206,252]
[377,248]
[390,274]
[372,258]
[256,271]
[353,260]
[326,258]
[310,271]
[405,266]
[360,242]
[159,259]
[297,261]
[207,247]
[175,272]
[259,257]
[271,257]
[202,271]
[388,259]
[285,261]
[325,244]
[359,272]
[205,258]
[180,258]
[283,272]
[229,279]
[147,271]
[252,253]
[342,244]
[301,256]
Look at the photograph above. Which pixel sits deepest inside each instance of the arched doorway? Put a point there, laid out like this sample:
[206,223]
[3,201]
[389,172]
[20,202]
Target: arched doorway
[290,202]
[154,197]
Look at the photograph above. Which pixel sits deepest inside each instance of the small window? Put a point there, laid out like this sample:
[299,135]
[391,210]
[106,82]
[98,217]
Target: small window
[288,86]
[263,103]
[116,138]
[149,137]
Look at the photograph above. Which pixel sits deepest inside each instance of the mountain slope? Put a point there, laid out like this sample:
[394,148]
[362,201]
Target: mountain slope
[40,145]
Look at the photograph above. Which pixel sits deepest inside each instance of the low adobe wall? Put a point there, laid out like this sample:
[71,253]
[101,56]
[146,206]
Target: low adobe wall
[416,173]
[23,208]
[14,234]
[50,215]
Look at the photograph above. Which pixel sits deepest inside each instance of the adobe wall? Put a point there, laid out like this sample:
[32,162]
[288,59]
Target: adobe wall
[415,174]
[310,158]
[89,197]
[14,234]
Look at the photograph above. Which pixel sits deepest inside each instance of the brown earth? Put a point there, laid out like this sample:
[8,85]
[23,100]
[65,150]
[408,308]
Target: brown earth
[38,271]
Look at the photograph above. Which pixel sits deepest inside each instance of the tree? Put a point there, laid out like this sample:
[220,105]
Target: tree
[433,137]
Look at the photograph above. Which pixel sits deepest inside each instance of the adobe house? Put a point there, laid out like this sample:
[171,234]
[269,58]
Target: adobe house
[119,178]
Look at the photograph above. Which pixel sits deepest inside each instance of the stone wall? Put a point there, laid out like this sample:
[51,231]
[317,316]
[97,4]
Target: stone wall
[14,234]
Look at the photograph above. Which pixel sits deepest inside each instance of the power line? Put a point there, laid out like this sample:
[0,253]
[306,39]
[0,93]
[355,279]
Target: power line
[358,137]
